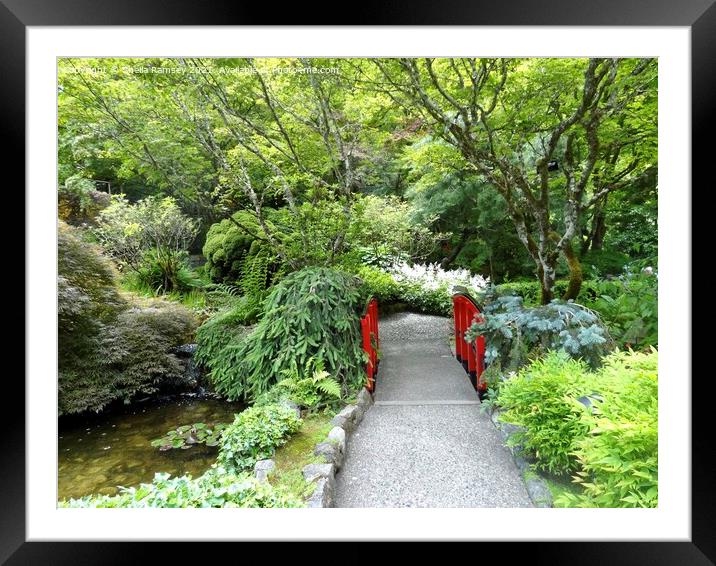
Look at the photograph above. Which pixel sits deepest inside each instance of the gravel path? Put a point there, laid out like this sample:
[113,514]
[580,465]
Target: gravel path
[425,443]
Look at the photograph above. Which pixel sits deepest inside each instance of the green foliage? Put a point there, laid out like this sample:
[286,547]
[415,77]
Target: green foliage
[379,284]
[78,201]
[312,314]
[227,245]
[316,391]
[515,333]
[166,272]
[215,488]
[418,296]
[108,347]
[222,329]
[255,434]
[542,398]
[629,307]
[601,426]
[186,436]
[618,459]
[386,230]
[150,238]
[426,300]
[598,263]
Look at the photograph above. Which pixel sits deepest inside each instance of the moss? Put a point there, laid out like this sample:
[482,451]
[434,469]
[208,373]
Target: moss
[297,453]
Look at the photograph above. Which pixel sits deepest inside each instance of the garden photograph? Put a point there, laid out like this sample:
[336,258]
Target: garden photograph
[357,282]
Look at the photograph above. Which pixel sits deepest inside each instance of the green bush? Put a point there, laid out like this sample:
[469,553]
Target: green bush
[316,391]
[618,459]
[530,290]
[379,284]
[215,488]
[602,425]
[166,272]
[311,314]
[79,202]
[542,398]
[224,328]
[629,306]
[147,237]
[109,349]
[425,300]
[254,435]
[227,246]
[420,298]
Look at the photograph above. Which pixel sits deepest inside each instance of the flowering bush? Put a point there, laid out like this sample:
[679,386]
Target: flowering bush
[432,277]
[429,288]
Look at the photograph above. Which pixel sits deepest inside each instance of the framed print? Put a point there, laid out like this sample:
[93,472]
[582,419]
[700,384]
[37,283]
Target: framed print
[359,264]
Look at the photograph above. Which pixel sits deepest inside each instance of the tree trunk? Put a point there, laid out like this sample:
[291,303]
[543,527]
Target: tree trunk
[575,273]
[546,284]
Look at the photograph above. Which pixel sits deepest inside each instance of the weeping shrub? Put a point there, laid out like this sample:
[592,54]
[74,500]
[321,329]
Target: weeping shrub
[312,314]
[110,347]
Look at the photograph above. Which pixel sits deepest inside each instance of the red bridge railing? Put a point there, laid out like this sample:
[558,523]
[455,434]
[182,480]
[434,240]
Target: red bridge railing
[371,342]
[470,354]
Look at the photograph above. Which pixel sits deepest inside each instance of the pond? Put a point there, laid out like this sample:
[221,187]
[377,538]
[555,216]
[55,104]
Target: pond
[97,453]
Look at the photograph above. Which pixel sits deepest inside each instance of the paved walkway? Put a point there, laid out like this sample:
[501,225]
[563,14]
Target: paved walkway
[424,443]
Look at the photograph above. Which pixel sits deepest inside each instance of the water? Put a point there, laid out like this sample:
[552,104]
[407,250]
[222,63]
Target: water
[97,453]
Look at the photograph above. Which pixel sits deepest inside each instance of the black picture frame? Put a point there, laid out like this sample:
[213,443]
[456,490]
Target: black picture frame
[699,15]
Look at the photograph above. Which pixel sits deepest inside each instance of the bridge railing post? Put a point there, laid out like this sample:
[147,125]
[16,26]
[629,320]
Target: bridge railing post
[370,341]
[471,355]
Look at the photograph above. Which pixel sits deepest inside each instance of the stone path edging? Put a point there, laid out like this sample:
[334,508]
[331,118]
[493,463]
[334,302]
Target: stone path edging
[537,489]
[333,450]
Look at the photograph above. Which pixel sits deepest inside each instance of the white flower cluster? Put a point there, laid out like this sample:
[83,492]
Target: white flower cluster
[433,277]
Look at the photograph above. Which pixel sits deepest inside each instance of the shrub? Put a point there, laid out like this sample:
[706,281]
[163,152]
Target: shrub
[515,333]
[254,435]
[629,307]
[227,245]
[311,314]
[215,488]
[384,230]
[107,348]
[424,288]
[222,329]
[140,345]
[618,459]
[530,290]
[379,284]
[78,201]
[542,398]
[152,234]
[316,391]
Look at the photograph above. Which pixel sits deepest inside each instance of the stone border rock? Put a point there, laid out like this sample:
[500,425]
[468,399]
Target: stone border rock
[537,489]
[333,450]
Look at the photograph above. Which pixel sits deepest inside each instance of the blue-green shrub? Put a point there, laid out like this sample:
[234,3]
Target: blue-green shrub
[515,333]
